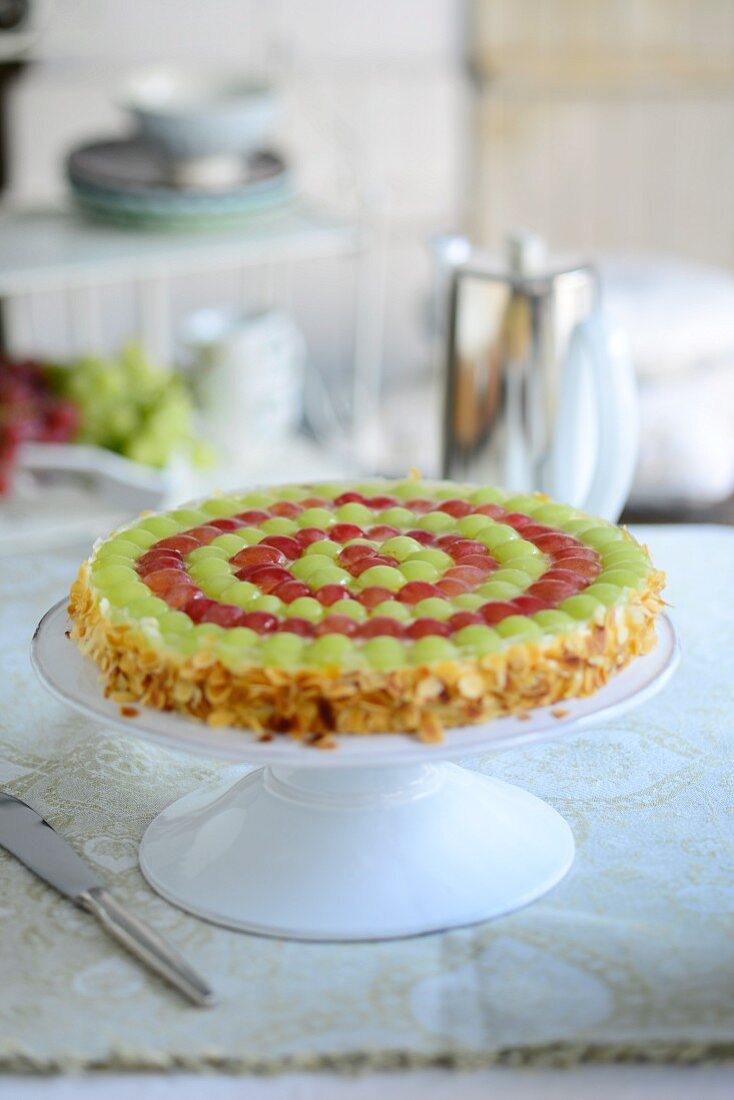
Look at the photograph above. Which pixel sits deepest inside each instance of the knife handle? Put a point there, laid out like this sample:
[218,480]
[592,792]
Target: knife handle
[140,940]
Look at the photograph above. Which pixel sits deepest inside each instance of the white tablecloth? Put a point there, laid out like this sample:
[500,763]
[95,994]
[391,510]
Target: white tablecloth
[648,904]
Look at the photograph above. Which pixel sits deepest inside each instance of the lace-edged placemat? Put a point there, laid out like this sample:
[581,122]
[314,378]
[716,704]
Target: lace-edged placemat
[630,958]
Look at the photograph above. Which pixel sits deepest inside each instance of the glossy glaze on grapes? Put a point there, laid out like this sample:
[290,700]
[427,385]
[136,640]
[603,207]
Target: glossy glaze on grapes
[390,575]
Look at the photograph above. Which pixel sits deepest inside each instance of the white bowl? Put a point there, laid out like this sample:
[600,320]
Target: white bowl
[192,117]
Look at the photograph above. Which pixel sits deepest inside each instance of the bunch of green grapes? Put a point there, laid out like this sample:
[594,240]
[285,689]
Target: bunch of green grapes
[130,405]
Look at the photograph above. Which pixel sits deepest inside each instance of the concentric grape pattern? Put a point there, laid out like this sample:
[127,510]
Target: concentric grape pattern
[378,575]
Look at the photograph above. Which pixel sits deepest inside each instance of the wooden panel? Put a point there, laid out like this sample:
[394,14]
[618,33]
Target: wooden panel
[615,45]
[606,125]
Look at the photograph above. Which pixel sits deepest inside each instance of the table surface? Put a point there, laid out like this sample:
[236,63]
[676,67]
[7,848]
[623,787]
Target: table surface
[579,1083]
[603,1081]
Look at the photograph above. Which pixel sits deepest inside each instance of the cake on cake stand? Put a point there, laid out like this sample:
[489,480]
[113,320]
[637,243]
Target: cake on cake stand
[381,837]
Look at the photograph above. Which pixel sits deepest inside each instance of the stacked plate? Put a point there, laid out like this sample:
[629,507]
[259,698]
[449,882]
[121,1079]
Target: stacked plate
[200,158]
[127,182]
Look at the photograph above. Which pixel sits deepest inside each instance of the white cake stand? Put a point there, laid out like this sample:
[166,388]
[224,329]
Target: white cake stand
[376,839]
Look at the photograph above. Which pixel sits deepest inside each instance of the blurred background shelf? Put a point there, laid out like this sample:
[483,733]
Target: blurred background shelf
[50,249]
[71,286]
[42,249]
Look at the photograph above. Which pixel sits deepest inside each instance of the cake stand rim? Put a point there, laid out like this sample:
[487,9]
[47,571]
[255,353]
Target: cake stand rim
[179,733]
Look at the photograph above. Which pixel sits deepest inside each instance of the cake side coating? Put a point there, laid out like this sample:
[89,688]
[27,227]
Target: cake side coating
[312,702]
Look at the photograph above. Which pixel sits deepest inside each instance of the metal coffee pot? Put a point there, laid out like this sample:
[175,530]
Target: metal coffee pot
[539,390]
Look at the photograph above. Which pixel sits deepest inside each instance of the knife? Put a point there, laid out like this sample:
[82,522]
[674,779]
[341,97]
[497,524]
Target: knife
[36,844]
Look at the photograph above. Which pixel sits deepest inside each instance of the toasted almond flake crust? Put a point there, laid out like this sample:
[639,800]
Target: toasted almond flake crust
[310,703]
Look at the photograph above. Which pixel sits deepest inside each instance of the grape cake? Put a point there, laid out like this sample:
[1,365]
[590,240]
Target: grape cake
[396,606]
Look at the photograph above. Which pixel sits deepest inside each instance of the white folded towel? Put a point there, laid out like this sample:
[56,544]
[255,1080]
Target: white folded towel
[687,438]
[678,316]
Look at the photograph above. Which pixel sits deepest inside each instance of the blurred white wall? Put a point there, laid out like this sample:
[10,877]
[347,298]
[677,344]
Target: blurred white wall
[386,78]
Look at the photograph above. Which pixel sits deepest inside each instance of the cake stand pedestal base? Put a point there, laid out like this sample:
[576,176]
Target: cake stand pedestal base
[358,853]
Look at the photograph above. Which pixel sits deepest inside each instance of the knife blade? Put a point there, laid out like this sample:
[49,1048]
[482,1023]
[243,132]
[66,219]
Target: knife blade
[30,838]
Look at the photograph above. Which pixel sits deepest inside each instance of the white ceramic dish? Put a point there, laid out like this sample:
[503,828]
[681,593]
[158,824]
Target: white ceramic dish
[377,839]
[66,493]
[192,117]
[130,483]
